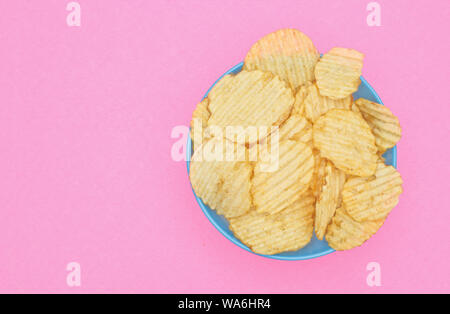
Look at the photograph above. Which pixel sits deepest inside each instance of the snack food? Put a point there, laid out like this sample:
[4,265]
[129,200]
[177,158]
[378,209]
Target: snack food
[299,104]
[223,185]
[249,99]
[287,230]
[384,124]
[318,173]
[343,137]
[276,190]
[199,122]
[288,53]
[316,105]
[316,161]
[296,128]
[338,71]
[345,233]
[373,198]
[329,198]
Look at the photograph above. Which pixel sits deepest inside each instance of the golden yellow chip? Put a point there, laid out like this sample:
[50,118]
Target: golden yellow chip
[329,198]
[318,173]
[249,100]
[288,53]
[199,122]
[343,137]
[356,110]
[344,233]
[296,128]
[316,105]
[288,230]
[277,187]
[338,72]
[222,185]
[373,197]
[384,124]
[299,104]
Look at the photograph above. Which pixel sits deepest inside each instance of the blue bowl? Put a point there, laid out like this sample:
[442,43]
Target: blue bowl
[315,248]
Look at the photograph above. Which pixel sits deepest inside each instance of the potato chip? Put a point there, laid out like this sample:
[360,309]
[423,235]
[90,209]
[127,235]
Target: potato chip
[296,128]
[222,185]
[316,105]
[249,100]
[356,110]
[329,199]
[288,53]
[276,188]
[344,233]
[318,173]
[299,104]
[199,122]
[373,197]
[288,230]
[343,137]
[338,72]
[384,124]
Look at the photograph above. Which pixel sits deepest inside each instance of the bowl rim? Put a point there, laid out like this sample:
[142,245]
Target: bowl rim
[237,241]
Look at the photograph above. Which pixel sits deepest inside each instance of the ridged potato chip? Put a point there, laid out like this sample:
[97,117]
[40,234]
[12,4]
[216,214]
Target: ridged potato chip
[329,198]
[343,137]
[199,122]
[318,173]
[384,124]
[288,230]
[356,110]
[316,105]
[222,185]
[288,53]
[338,72]
[278,188]
[373,197]
[299,104]
[345,233]
[249,99]
[296,128]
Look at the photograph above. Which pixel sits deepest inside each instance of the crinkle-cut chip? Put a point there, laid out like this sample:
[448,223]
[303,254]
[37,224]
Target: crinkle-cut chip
[384,124]
[288,230]
[279,184]
[373,198]
[299,104]
[329,199]
[316,105]
[199,122]
[318,173]
[247,101]
[338,72]
[296,128]
[356,110]
[222,185]
[288,53]
[345,233]
[343,137]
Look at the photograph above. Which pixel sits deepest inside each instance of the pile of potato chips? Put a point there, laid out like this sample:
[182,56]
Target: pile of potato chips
[328,175]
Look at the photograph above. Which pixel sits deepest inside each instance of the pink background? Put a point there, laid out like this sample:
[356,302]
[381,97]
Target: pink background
[86,173]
